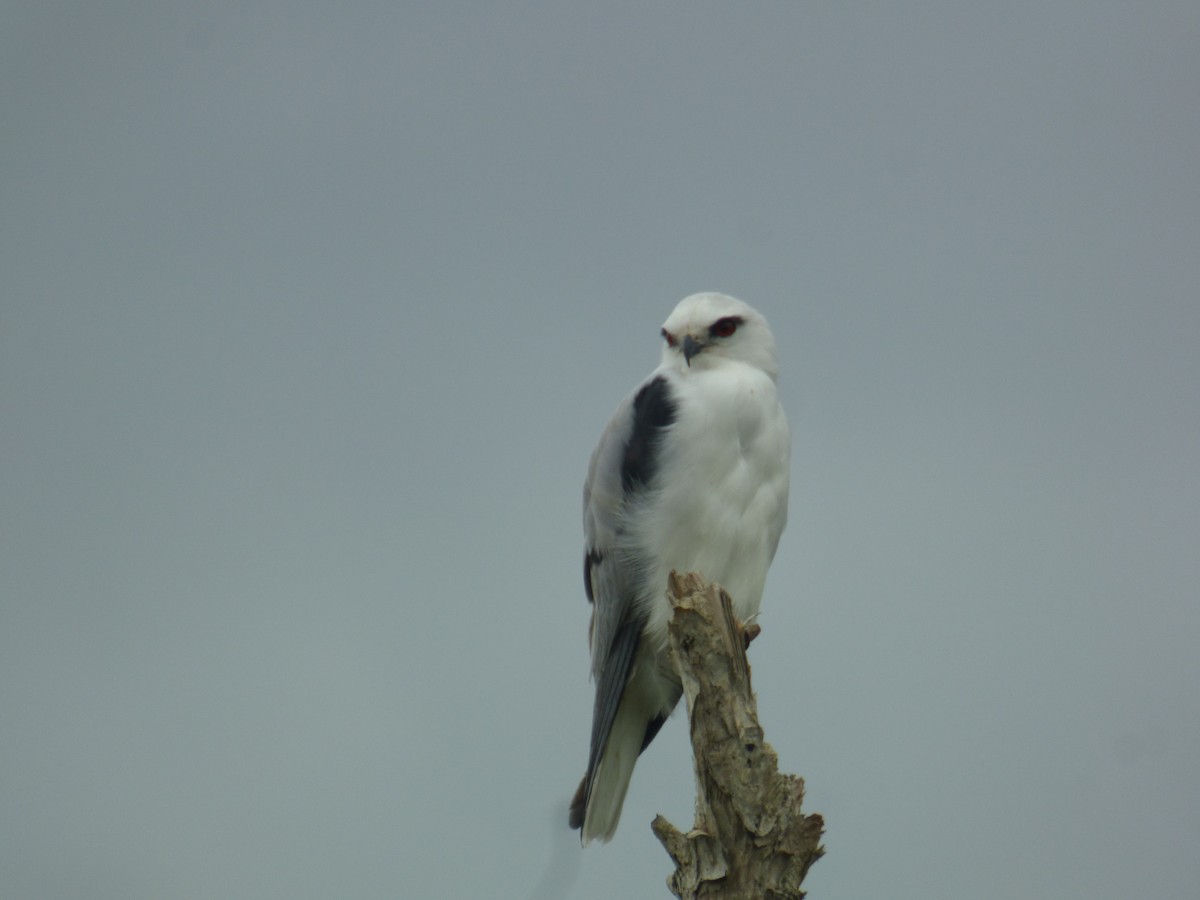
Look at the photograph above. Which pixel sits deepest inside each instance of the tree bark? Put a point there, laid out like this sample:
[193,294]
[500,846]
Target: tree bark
[750,840]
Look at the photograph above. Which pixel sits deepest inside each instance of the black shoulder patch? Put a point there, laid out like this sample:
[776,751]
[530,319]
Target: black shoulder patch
[653,410]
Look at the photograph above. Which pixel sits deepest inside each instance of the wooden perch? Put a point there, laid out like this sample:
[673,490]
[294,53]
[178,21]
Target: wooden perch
[751,839]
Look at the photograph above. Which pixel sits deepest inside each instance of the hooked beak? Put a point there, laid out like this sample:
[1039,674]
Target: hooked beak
[691,347]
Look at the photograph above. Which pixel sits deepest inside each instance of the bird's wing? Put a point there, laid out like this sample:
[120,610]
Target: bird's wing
[607,578]
[621,472]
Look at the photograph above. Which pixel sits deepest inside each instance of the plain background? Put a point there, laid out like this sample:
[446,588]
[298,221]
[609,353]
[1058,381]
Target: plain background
[312,313]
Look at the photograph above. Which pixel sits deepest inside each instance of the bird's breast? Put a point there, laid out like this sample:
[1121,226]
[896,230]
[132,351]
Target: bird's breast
[719,502]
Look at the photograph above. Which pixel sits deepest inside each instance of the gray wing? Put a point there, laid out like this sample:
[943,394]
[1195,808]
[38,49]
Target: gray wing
[605,575]
[621,470]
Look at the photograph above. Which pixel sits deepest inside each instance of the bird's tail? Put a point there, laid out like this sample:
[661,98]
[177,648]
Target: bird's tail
[596,807]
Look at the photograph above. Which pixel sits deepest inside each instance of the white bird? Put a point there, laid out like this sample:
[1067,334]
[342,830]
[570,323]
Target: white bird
[691,474]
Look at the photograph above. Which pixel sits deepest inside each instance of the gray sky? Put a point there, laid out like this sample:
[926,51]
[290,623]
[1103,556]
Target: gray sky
[312,314]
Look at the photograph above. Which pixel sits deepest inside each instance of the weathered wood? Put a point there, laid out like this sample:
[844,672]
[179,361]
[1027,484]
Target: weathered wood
[750,840]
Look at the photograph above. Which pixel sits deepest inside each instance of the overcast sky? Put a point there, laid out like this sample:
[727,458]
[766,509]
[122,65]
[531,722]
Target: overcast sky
[311,314]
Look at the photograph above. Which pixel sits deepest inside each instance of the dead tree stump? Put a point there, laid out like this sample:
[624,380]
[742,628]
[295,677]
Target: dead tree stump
[751,840]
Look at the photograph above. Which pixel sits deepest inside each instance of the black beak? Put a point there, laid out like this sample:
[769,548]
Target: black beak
[691,347]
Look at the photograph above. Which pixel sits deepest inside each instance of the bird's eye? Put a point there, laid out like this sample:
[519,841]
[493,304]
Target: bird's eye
[668,337]
[723,328]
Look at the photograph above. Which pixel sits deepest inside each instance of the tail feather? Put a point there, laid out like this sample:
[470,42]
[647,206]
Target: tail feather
[579,804]
[601,795]
[634,696]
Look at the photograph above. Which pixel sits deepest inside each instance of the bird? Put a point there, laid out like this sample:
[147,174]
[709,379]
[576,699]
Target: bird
[691,474]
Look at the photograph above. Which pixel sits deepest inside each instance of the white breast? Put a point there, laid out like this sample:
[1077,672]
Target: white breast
[722,486]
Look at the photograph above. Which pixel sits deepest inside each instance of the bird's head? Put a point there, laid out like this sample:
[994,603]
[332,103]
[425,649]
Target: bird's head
[707,330]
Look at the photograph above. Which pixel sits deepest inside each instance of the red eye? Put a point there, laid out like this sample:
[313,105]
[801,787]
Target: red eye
[668,337]
[723,328]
